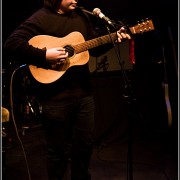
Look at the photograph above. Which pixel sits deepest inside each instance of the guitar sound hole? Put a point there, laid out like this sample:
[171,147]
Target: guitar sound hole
[70,50]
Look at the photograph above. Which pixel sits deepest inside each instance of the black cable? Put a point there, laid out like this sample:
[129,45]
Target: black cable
[14,122]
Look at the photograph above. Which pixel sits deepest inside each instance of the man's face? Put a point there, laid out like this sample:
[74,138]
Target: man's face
[68,5]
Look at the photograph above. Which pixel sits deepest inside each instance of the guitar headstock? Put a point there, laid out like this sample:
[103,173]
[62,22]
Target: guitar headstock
[142,27]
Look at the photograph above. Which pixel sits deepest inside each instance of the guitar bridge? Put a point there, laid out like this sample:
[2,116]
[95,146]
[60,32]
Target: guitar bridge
[61,65]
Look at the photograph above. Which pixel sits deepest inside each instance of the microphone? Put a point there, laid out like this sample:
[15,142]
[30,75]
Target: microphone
[97,12]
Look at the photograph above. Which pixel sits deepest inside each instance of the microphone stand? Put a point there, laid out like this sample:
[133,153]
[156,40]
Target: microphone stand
[130,98]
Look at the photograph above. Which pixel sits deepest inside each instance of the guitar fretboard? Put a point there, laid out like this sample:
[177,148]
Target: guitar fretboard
[95,42]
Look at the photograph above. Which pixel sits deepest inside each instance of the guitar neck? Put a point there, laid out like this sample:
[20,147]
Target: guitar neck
[95,42]
[145,26]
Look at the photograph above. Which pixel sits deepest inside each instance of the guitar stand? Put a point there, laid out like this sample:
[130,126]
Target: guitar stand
[29,114]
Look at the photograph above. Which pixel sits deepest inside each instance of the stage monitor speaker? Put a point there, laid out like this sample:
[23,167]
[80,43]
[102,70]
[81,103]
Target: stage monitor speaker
[110,62]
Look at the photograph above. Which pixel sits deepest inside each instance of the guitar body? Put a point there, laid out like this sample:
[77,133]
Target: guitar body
[45,41]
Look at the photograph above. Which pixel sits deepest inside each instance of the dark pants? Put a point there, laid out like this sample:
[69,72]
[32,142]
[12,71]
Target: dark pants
[69,129]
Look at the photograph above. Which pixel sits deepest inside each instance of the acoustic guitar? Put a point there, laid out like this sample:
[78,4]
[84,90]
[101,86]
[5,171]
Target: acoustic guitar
[77,49]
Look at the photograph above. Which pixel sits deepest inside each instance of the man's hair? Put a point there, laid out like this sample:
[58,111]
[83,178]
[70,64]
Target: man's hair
[52,4]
